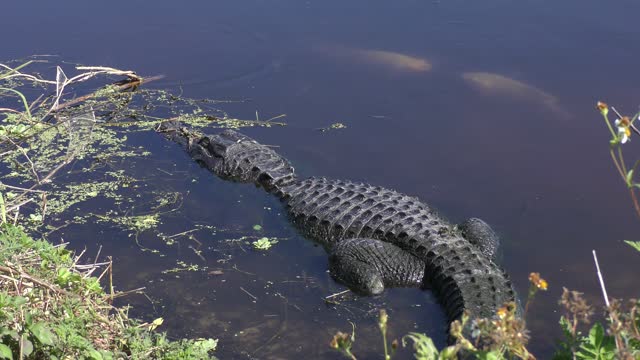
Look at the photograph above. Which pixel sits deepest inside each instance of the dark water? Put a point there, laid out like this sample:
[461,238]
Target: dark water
[542,179]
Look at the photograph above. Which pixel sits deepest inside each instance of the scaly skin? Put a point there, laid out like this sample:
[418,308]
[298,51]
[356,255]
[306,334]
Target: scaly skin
[366,229]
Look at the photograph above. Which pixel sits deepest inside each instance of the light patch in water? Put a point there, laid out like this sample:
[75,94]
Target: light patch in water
[391,60]
[499,85]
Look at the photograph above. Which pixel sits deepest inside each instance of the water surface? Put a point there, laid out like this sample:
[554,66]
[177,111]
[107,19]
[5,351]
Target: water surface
[544,181]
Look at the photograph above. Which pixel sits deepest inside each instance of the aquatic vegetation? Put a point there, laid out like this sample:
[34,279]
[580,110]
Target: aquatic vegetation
[335,126]
[183,266]
[91,131]
[264,243]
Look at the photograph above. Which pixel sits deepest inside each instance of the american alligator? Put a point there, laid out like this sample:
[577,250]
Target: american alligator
[376,237]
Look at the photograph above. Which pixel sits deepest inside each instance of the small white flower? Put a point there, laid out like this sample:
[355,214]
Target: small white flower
[623,130]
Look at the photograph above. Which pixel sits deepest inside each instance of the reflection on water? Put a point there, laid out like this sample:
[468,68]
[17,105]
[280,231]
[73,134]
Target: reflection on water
[547,186]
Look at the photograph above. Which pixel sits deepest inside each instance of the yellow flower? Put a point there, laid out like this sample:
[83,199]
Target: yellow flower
[502,312]
[537,281]
[542,284]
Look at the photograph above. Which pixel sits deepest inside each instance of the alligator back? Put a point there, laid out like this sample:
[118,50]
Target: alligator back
[460,275]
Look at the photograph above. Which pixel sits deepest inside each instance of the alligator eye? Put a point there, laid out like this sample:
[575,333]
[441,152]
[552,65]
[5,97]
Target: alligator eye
[217,150]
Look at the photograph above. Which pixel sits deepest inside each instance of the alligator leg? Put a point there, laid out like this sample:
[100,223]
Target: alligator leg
[367,266]
[480,234]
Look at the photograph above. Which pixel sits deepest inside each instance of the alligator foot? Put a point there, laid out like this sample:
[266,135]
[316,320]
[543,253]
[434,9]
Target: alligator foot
[480,234]
[367,266]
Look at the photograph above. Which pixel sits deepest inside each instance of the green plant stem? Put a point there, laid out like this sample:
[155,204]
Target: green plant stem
[14,70]
[532,294]
[606,120]
[615,161]
[3,210]
[622,164]
[384,341]
[619,163]
[635,200]
[348,353]
[24,100]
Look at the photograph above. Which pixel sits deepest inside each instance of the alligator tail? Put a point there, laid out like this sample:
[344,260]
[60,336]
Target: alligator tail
[464,280]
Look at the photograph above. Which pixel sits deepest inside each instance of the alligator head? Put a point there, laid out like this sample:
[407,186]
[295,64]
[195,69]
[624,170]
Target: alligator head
[233,156]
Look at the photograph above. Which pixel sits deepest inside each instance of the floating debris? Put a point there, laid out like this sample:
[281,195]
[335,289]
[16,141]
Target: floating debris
[334,126]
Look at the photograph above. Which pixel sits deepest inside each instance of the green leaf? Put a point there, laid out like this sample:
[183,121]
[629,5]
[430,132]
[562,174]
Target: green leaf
[19,300]
[629,178]
[263,243]
[257,227]
[596,335]
[26,345]
[5,352]
[634,244]
[597,346]
[42,333]
[634,344]
[95,355]
[565,351]
[8,332]
[28,319]
[566,328]
[422,345]
[205,345]
[489,355]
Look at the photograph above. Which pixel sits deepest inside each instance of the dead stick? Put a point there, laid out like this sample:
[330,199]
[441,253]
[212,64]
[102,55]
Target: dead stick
[11,271]
[337,294]
[248,293]
[122,87]
[20,188]
[43,181]
[604,290]
[124,293]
